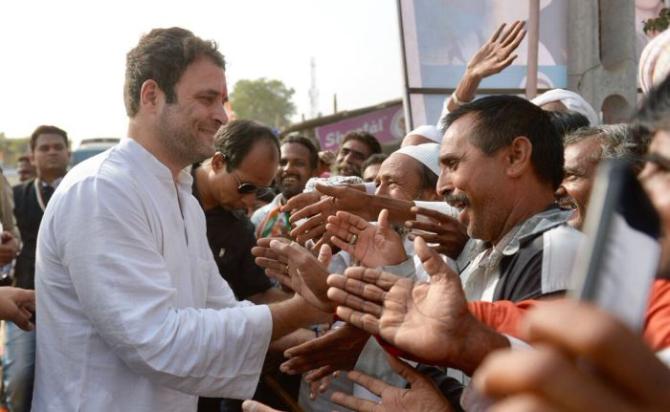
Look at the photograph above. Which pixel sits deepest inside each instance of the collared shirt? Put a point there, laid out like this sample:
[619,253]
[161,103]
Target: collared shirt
[481,276]
[134,315]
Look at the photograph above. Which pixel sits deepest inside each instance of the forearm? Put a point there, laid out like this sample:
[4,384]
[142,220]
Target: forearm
[294,313]
[465,90]
[479,340]
[271,295]
[399,210]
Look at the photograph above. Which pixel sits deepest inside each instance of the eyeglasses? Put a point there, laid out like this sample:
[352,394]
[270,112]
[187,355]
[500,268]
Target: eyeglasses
[245,188]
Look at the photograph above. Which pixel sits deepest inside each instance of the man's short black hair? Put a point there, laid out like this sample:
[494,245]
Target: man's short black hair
[375,159]
[47,129]
[309,144]
[567,122]
[163,55]
[364,137]
[500,119]
[654,112]
[236,139]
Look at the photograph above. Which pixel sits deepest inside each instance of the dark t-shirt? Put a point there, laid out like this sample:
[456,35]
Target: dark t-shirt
[231,237]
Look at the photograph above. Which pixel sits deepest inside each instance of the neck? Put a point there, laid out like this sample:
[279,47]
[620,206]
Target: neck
[201,177]
[526,205]
[49,177]
[147,138]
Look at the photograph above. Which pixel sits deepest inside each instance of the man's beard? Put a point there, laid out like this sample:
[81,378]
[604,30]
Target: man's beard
[181,143]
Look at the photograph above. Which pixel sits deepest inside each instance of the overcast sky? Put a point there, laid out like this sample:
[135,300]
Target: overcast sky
[63,61]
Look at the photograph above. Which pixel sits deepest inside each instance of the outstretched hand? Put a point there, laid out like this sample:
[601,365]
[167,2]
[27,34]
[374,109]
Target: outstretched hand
[295,267]
[371,245]
[17,305]
[496,54]
[422,395]
[446,232]
[430,321]
[337,350]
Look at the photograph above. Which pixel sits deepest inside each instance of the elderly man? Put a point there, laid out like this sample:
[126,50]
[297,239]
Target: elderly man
[584,149]
[125,277]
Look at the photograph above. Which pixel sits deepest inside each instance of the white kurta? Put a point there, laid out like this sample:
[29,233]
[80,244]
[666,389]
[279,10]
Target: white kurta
[132,312]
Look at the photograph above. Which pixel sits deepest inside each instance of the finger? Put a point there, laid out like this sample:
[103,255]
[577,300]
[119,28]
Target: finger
[332,191]
[374,385]
[509,60]
[300,201]
[426,226]
[514,42]
[291,250]
[325,255]
[496,34]
[383,280]
[22,319]
[405,370]
[353,402]
[309,224]
[321,206]
[345,246]
[549,373]
[352,219]
[267,253]
[317,374]
[23,296]
[341,227]
[431,260]
[363,321]
[271,264]
[383,219]
[511,34]
[602,340]
[314,233]
[282,278]
[352,301]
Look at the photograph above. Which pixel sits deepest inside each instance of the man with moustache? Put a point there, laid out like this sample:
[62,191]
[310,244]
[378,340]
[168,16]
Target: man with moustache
[298,162]
[356,147]
[134,314]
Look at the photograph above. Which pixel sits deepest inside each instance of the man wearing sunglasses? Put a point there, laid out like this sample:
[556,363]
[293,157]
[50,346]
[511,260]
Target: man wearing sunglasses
[226,185]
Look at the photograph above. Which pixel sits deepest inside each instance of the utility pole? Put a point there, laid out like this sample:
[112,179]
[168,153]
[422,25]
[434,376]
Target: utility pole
[313,91]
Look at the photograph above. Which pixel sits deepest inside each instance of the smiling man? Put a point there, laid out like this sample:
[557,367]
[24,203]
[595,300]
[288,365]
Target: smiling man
[299,161]
[134,314]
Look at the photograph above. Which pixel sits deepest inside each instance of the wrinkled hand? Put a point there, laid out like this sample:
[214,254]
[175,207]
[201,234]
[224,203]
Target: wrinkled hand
[295,267]
[376,245]
[595,364]
[9,247]
[316,207]
[421,396]
[496,53]
[430,321]
[337,350]
[450,234]
[17,305]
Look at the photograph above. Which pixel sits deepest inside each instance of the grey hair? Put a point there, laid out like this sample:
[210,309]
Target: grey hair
[617,141]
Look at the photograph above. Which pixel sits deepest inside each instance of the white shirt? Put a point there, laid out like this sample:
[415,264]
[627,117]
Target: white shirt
[133,314]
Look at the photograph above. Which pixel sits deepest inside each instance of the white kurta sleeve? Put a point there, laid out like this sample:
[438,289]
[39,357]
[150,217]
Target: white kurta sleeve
[124,285]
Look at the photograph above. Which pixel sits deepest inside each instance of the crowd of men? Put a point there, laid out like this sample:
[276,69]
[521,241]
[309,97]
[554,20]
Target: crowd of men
[203,262]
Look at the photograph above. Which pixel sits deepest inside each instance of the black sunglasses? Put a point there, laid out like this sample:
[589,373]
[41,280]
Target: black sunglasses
[245,188]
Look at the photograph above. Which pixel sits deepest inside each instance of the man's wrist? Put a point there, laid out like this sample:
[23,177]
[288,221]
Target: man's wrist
[478,341]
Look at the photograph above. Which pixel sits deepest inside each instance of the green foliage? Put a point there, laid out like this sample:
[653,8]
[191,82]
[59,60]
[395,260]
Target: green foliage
[657,24]
[263,100]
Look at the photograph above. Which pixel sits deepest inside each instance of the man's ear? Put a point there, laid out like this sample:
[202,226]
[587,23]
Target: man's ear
[150,95]
[218,161]
[518,156]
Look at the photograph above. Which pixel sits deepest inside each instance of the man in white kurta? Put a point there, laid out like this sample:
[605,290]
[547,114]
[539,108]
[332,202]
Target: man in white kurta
[121,278]
[133,314]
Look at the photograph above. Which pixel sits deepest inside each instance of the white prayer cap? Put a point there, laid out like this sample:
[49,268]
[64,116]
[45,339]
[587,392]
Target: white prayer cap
[655,62]
[427,153]
[571,100]
[429,132]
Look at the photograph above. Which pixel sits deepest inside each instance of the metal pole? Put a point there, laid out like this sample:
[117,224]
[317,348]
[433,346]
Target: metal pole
[533,45]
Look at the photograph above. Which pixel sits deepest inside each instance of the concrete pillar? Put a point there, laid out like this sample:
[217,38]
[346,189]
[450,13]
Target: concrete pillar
[602,66]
